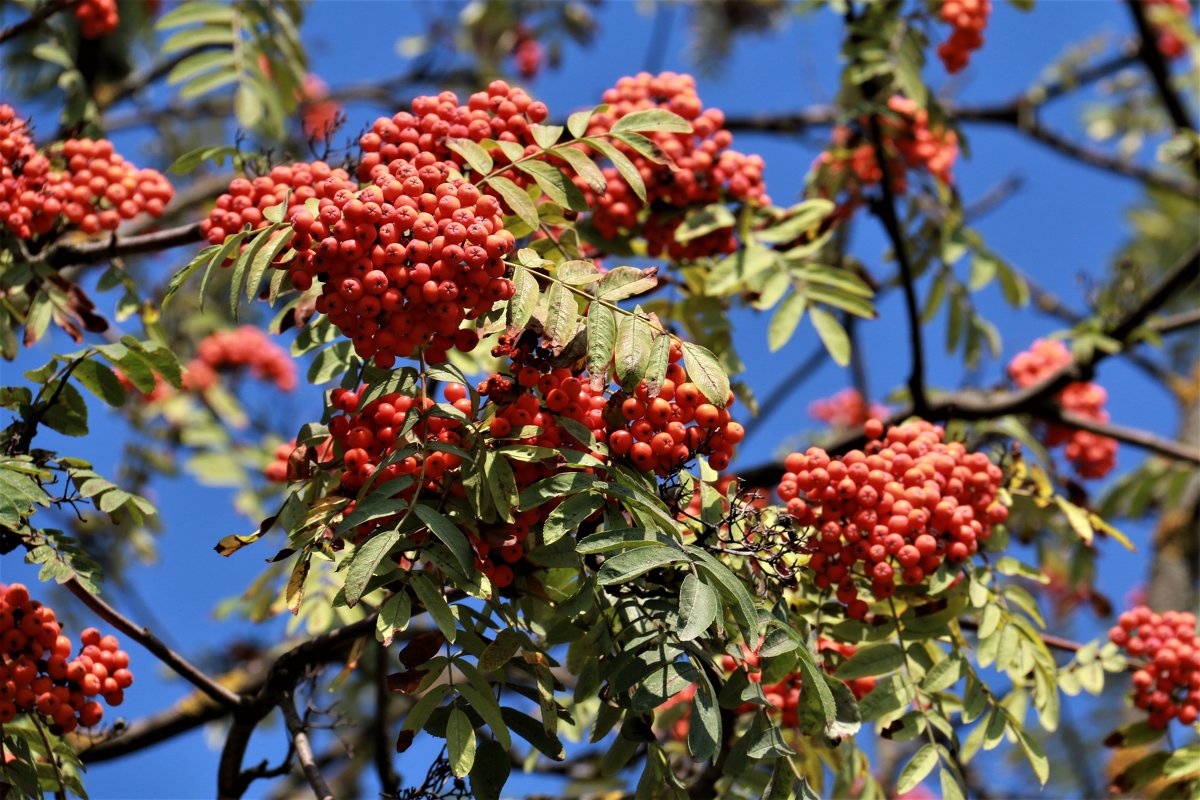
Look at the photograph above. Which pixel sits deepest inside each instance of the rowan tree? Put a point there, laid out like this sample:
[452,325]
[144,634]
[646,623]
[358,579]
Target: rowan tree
[473,368]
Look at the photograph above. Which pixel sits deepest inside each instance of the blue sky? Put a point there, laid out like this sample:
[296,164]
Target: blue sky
[1060,227]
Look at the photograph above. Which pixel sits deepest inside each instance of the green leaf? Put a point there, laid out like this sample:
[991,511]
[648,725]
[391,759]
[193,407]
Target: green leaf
[264,256]
[179,278]
[625,168]
[517,199]
[704,727]
[248,106]
[556,185]
[393,617]
[460,741]
[100,380]
[832,334]
[577,123]
[707,373]
[491,770]
[501,650]
[562,315]
[196,37]
[69,414]
[784,321]
[567,516]
[203,84]
[801,219]
[584,167]
[878,658]
[632,351]
[656,364]
[652,120]
[473,153]
[193,12]
[365,561]
[200,62]
[601,340]
[698,607]
[434,601]
[917,768]
[620,283]
[445,530]
[628,565]
[524,299]
[702,221]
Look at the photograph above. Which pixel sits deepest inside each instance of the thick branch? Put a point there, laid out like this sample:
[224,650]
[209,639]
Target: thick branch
[146,639]
[1176,322]
[65,254]
[303,749]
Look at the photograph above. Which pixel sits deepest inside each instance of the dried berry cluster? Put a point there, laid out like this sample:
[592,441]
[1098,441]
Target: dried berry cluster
[81,182]
[910,141]
[37,672]
[704,169]
[893,511]
[1168,686]
[247,200]
[968,19]
[245,347]
[1092,455]
[846,409]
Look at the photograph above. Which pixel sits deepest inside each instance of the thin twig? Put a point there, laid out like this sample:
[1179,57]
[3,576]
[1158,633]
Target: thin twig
[885,209]
[34,20]
[146,639]
[303,749]
[1176,322]
[1122,433]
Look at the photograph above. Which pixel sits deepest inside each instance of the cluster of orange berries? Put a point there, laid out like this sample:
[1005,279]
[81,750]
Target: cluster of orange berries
[1169,44]
[658,433]
[38,674]
[246,200]
[968,18]
[97,17]
[1168,686]
[910,142]
[1092,455]
[243,347]
[783,696]
[846,409]
[502,113]
[893,511]
[82,181]
[705,170]
[405,261]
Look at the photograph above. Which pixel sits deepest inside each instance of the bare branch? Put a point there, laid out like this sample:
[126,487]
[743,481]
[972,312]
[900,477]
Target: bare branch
[146,639]
[1134,436]
[65,254]
[303,749]
[1156,65]
[34,20]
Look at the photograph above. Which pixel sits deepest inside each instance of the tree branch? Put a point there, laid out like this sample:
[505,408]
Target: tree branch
[66,254]
[34,20]
[1134,436]
[146,639]
[975,405]
[303,749]
[885,209]
[1176,322]
[1156,65]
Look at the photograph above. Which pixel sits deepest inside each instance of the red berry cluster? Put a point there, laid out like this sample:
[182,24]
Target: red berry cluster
[244,347]
[318,113]
[658,433]
[1168,686]
[893,511]
[97,17]
[405,261]
[503,113]
[968,18]
[80,180]
[1169,44]
[161,390]
[38,674]
[846,409]
[705,171]
[910,142]
[528,54]
[1092,455]
[246,200]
